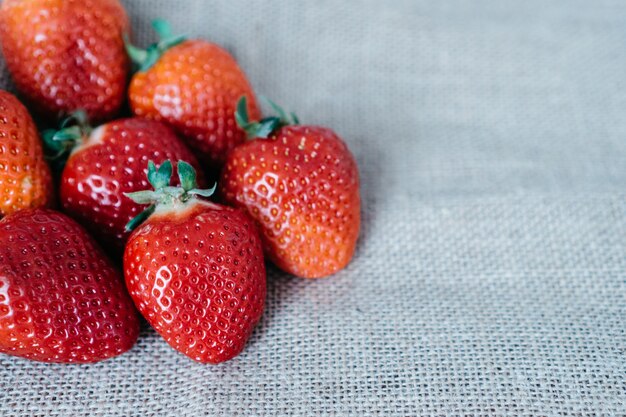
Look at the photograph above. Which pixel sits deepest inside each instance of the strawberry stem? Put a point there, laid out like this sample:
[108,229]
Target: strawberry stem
[72,131]
[165,194]
[163,28]
[266,126]
[144,59]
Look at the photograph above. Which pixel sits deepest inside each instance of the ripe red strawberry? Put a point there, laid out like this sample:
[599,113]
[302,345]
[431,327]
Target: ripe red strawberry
[106,163]
[193,86]
[25,180]
[61,300]
[66,55]
[301,184]
[195,269]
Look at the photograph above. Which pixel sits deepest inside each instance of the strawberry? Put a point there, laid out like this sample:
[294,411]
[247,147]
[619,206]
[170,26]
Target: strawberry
[66,55]
[195,269]
[61,300]
[193,86]
[301,185]
[107,162]
[25,180]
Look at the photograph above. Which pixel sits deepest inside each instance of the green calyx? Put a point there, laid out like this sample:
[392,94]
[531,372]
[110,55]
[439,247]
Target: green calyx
[266,126]
[144,59]
[72,132]
[163,192]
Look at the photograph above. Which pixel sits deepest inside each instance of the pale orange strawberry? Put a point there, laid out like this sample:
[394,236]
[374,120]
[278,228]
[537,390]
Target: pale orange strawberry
[193,86]
[25,180]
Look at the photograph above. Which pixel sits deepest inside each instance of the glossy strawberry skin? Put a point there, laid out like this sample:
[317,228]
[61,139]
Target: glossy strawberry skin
[198,277]
[194,87]
[66,55]
[113,162]
[61,300]
[302,187]
[25,180]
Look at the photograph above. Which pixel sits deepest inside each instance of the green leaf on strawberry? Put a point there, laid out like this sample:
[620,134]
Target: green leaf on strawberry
[163,193]
[144,59]
[266,126]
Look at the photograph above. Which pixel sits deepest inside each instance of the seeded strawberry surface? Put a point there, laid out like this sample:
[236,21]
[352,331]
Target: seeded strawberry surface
[113,162]
[197,275]
[61,300]
[194,87]
[25,180]
[66,55]
[302,187]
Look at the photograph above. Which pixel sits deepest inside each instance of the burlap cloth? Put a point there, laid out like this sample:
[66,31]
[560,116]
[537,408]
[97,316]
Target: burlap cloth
[490,278]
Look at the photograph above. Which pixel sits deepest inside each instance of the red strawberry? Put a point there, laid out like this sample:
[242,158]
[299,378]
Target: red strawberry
[301,184]
[193,86]
[107,162]
[61,300]
[25,180]
[66,55]
[195,269]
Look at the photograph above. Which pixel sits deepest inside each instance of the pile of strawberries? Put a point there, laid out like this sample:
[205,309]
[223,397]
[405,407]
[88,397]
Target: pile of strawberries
[132,193]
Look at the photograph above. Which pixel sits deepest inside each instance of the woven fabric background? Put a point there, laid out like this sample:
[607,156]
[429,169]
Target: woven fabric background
[490,279]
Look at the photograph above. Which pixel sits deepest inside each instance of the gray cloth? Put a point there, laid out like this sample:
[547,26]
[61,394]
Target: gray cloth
[490,279]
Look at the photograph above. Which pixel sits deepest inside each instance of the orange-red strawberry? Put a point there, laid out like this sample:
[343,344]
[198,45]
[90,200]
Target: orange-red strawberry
[61,300]
[66,55]
[107,162]
[193,86]
[195,269]
[301,184]
[25,180]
